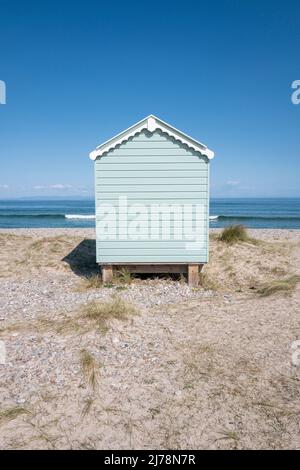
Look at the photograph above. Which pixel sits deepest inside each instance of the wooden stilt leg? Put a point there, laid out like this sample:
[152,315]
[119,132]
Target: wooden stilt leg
[107,274]
[193,275]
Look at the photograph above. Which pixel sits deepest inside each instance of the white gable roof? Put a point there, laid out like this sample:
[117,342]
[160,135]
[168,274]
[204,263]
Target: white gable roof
[151,124]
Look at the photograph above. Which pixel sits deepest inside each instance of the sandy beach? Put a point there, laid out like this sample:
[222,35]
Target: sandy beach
[177,368]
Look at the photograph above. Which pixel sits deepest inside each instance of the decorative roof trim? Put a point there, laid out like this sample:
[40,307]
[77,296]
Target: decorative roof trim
[151,124]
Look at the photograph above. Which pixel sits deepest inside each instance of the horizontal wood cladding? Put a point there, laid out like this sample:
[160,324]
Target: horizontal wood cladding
[152,169]
[196,257]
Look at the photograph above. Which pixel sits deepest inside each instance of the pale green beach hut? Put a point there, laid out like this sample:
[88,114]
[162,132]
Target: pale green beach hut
[152,200]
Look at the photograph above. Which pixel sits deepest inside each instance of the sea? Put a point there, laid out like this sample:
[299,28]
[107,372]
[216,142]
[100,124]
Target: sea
[281,213]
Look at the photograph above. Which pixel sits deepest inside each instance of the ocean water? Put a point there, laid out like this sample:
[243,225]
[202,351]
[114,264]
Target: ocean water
[253,213]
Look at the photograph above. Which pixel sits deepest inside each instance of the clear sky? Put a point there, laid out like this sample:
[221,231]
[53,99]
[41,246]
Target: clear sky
[78,72]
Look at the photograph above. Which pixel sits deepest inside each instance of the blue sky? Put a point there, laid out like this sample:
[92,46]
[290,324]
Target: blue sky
[79,72]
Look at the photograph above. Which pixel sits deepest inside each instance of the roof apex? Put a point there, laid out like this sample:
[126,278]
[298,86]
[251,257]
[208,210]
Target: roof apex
[151,123]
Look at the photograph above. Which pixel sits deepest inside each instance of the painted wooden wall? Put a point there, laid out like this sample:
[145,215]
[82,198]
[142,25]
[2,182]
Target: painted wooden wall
[152,168]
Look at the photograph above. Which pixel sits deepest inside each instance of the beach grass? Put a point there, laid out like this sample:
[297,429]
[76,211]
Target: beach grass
[207,282]
[234,234]
[12,413]
[121,278]
[91,282]
[89,367]
[282,285]
[93,315]
[124,276]
[100,313]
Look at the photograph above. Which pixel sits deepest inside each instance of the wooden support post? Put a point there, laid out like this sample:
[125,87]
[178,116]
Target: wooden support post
[107,274]
[193,275]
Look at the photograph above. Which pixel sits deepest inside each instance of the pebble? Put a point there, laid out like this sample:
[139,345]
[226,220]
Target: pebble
[20,401]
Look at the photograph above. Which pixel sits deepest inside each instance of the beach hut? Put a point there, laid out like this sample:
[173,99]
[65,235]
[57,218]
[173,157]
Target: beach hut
[152,201]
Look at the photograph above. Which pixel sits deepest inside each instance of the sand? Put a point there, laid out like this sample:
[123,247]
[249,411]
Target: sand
[209,368]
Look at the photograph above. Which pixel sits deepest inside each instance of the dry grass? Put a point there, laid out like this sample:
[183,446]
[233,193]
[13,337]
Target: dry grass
[278,271]
[234,234]
[207,282]
[238,267]
[87,406]
[101,313]
[62,325]
[228,434]
[92,282]
[6,238]
[90,368]
[277,408]
[282,285]
[90,316]
[12,258]
[232,266]
[12,413]
[198,362]
[22,254]
[49,251]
